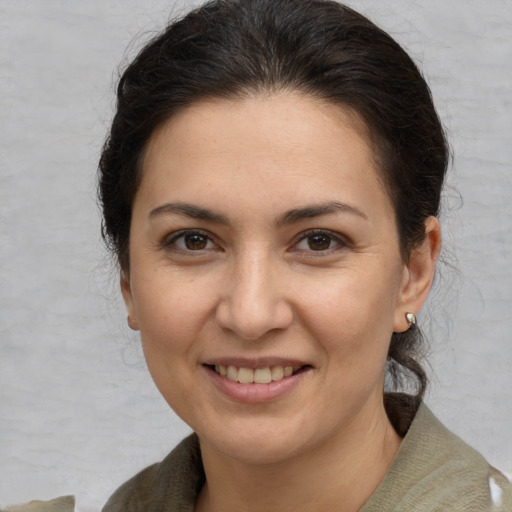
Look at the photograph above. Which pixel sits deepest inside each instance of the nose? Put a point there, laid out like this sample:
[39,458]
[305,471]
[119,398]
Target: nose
[254,303]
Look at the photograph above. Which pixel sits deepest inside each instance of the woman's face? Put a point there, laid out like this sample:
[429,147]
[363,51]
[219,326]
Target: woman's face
[262,242]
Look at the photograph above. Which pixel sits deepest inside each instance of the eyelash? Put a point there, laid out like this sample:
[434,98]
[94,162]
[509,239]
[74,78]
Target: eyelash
[333,239]
[170,242]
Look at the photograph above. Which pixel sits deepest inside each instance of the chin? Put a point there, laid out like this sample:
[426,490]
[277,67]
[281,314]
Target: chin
[258,453]
[257,444]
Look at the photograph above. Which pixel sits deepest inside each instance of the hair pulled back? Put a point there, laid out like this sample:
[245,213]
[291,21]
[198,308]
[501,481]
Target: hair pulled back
[236,48]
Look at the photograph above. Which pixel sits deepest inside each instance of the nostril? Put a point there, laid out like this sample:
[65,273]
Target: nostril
[253,321]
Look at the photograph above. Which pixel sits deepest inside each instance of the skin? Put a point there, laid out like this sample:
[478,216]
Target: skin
[252,280]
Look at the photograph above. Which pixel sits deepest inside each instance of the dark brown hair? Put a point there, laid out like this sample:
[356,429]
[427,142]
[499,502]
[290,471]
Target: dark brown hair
[235,48]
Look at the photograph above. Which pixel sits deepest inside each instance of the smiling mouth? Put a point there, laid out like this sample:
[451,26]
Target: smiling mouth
[264,375]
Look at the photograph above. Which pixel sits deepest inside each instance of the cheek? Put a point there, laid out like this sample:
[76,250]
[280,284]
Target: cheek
[171,311]
[172,314]
[352,315]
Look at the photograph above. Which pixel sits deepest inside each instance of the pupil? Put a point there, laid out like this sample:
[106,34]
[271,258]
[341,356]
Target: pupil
[319,242]
[195,242]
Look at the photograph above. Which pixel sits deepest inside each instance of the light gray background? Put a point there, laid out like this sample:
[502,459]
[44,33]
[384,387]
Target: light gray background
[78,411]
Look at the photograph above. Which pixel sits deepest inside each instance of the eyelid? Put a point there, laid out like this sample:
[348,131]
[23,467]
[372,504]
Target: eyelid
[168,242]
[341,241]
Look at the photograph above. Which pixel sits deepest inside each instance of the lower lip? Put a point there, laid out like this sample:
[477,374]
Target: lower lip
[255,393]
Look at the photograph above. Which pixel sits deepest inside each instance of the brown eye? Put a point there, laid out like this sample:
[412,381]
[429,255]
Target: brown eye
[189,241]
[195,241]
[322,242]
[319,242]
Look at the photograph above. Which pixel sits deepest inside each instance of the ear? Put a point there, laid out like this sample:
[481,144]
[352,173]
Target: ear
[126,290]
[418,275]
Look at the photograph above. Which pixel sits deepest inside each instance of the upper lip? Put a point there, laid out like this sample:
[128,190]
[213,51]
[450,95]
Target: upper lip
[254,363]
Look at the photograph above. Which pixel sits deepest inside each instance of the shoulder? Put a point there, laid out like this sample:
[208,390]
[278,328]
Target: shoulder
[435,470]
[164,486]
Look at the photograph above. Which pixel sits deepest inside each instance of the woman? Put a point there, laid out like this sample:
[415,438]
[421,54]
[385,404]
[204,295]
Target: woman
[271,186]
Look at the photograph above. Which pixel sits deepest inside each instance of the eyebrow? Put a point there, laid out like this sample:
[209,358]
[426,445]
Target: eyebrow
[317,210]
[289,217]
[189,210]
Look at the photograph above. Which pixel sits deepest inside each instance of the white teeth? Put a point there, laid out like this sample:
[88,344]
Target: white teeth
[262,376]
[277,372]
[245,375]
[232,373]
[259,375]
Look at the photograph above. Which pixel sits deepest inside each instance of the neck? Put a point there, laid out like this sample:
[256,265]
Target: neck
[340,474]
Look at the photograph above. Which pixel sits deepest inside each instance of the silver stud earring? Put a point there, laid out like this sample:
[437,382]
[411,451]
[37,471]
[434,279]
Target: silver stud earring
[411,319]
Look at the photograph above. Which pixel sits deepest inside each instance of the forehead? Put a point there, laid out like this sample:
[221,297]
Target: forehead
[286,117]
[285,141]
